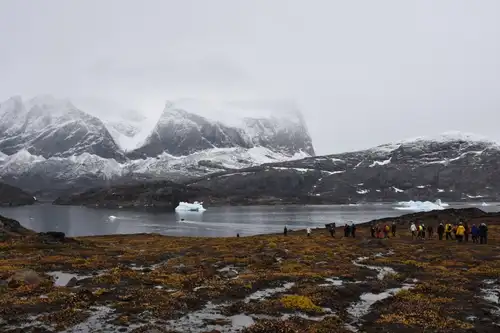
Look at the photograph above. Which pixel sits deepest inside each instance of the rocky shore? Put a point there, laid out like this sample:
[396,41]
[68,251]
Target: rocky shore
[259,284]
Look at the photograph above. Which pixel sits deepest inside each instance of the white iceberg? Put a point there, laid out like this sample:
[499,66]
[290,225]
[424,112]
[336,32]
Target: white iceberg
[190,207]
[421,206]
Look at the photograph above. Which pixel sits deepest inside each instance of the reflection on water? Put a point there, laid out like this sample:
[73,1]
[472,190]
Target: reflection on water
[216,221]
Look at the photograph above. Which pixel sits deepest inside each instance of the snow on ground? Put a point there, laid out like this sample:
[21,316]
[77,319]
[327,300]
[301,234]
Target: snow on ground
[375,163]
[397,190]
[421,206]
[450,136]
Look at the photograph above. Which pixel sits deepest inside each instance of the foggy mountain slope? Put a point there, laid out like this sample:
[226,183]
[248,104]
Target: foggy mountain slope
[452,166]
[51,127]
[182,129]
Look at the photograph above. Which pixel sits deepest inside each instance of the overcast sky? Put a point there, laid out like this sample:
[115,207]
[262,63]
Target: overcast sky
[363,72]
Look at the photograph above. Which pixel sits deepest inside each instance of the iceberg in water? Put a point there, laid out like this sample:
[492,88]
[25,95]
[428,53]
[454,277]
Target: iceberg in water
[421,206]
[190,207]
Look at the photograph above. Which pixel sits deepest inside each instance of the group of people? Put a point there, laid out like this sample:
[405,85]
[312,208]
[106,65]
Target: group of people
[459,231]
[350,230]
[383,230]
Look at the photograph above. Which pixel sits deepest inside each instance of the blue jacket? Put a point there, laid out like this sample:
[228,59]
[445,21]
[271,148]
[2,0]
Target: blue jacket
[475,231]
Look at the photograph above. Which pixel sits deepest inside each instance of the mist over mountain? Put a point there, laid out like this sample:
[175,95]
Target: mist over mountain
[49,143]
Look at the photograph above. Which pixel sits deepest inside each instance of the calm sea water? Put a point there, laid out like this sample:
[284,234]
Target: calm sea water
[215,221]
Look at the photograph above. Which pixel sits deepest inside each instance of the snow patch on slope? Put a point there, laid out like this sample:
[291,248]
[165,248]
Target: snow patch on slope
[450,136]
[199,163]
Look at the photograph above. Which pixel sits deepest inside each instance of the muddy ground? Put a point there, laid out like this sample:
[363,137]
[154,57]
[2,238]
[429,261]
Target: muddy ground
[268,283]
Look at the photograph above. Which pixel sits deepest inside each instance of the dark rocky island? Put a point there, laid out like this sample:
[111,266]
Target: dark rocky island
[259,284]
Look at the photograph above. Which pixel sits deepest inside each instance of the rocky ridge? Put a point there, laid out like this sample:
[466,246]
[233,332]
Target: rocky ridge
[451,167]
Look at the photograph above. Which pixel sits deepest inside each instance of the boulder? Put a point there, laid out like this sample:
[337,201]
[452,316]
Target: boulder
[72,282]
[52,236]
[26,277]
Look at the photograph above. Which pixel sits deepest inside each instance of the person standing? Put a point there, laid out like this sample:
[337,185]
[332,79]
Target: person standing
[448,231]
[430,231]
[308,232]
[285,231]
[423,231]
[353,230]
[373,230]
[440,231]
[386,231]
[460,233]
[393,228]
[475,234]
[413,229]
[467,232]
[483,233]
[346,230]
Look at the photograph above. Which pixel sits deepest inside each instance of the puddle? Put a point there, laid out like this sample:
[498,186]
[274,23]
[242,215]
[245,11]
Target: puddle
[241,321]
[209,318]
[61,279]
[366,300]
[95,322]
[362,307]
[261,294]
[327,313]
[31,322]
[336,282]
[383,271]
[134,266]
[491,294]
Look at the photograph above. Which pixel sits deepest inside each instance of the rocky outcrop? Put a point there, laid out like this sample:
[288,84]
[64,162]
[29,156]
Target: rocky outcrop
[11,228]
[13,196]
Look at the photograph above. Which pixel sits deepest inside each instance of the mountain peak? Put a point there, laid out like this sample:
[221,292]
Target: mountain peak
[49,103]
[190,125]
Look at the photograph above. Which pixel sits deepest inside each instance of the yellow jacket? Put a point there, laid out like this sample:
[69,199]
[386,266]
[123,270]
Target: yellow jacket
[460,230]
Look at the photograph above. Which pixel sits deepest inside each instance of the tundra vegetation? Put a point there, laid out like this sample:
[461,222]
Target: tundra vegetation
[258,284]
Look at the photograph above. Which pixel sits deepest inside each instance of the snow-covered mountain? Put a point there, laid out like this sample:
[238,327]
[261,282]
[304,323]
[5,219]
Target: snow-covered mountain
[47,142]
[184,129]
[452,166]
[52,128]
